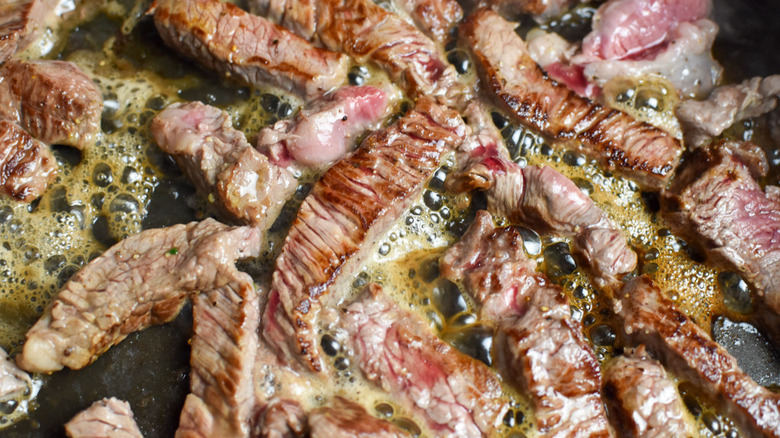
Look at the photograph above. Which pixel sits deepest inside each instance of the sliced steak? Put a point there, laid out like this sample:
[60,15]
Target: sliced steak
[224,346]
[27,166]
[109,417]
[55,101]
[13,381]
[248,48]
[344,419]
[437,18]
[643,400]
[644,153]
[688,351]
[541,347]
[21,23]
[348,209]
[454,394]
[141,281]
[222,165]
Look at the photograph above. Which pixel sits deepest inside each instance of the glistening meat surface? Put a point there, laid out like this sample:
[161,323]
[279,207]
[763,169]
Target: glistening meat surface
[13,381]
[27,166]
[21,22]
[342,418]
[109,417]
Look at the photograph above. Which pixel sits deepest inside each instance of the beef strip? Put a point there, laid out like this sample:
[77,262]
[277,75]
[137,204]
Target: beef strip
[27,166]
[643,400]
[108,417]
[222,165]
[248,48]
[21,23]
[342,418]
[348,209]
[454,394]
[689,352]
[141,281]
[540,197]
[437,18]
[702,120]
[13,381]
[280,418]
[224,346]
[55,101]
[541,348]
[644,153]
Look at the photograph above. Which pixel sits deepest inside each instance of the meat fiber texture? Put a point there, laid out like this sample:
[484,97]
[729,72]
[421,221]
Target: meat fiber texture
[344,418]
[21,23]
[141,281]
[13,381]
[109,417]
[27,166]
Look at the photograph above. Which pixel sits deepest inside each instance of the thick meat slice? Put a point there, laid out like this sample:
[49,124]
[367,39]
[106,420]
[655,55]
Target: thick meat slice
[224,346]
[53,100]
[454,394]
[541,346]
[13,381]
[109,417]
[21,22]
[618,141]
[689,352]
[437,18]
[539,197]
[27,166]
[349,208]
[643,400]
[248,48]
[343,418]
[141,281]
[222,165]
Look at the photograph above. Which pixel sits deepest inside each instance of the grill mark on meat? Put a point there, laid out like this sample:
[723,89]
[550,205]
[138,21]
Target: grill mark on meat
[248,48]
[13,381]
[345,419]
[642,152]
[27,166]
[109,417]
[224,347]
[141,281]
[454,394]
[354,203]
[436,18]
[541,348]
[688,351]
[642,399]
[21,22]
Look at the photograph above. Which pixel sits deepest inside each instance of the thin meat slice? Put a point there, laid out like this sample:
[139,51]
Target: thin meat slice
[141,281]
[437,18]
[248,48]
[643,400]
[55,101]
[688,351]
[644,153]
[27,166]
[541,347]
[348,209]
[21,23]
[344,419]
[109,417]
[224,346]
[13,381]
[454,394]
[222,165]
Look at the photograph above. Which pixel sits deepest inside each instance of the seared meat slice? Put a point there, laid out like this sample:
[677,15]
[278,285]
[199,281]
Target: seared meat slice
[344,418]
[726,105]
[542,348]
[109,417]
[21,22]
[141,281]
[454,394]
[437,18]
[643,400]
[541,10]
[224,346]
[354,203]
[53,100]
[27,166]
[540,197]
[688,351]
[13,381]
[222,165]
[248,48]
[645,153]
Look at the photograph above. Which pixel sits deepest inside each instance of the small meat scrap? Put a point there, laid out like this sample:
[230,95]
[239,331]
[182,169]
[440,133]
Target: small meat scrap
[222,165]
[55,101]
[106,418]
[224,346]
[643,400]
[540,345]
[21,23]
[13,381]
[248,48]
[618,141]
[343,418]
[437,18]
[339,222]
[141,281]
[27,166]
[688,351]
[452,393]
